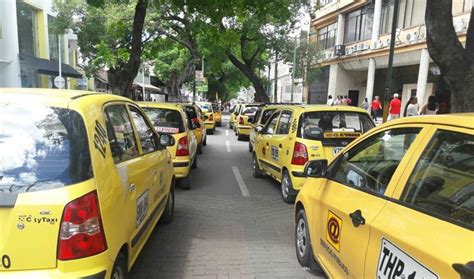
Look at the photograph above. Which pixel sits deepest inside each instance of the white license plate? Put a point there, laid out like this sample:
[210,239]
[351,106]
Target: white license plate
[336,150]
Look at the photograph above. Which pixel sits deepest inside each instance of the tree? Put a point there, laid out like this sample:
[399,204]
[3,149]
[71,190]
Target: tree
[110,34]
[246,31]
[455,61]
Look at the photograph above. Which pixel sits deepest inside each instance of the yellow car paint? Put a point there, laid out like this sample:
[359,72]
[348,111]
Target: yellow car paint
[31,225]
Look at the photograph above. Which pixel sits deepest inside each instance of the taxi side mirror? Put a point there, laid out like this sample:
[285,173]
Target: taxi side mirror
[316,168]
[259,129]
[167,140]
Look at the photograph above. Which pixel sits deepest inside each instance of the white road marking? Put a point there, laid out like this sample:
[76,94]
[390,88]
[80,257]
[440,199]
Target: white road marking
[226,133]
[227,143]
[240,181]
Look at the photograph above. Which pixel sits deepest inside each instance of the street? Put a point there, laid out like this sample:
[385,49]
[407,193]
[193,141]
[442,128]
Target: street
[229,225]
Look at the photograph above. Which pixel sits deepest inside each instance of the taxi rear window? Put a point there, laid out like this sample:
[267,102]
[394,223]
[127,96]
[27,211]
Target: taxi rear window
[42,148]
[249,111]
[166,120]
[334,124]
[205,107]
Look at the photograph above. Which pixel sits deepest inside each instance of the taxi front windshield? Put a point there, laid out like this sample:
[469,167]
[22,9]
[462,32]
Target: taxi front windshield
[166,120]
[336,121]
[41,148]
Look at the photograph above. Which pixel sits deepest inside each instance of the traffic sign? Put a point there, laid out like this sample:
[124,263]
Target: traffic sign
[59,82]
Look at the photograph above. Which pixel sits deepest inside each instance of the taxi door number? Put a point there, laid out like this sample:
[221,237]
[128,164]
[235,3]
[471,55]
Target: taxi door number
[142,208]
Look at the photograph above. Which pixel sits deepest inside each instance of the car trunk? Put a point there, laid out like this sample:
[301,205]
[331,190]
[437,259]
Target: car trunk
[30,226]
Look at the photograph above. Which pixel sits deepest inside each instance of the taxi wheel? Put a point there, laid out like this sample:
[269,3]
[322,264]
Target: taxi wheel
[120,270]
[199,149]
[240,137]
[204,143]
[257,172]
[286,185]
[303,240]
[195,162]
[168,214]
[185,183]
[210,132]
[250,147]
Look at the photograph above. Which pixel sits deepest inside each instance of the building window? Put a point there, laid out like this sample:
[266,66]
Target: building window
[27,29]
[359,25]
[324,2]
[327,36]
[461,6]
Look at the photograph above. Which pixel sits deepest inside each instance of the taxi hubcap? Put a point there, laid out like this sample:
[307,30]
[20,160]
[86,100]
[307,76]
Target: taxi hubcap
[301,237]
[254,164]
[285,183]
[118,274]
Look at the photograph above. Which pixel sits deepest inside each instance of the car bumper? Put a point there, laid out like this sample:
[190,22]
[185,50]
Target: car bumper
[210,125]
[243,130]
[181,168]
[95,267]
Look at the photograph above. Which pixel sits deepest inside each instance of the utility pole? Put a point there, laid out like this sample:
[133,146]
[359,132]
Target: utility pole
[293,71]
[388,81]
[275,81]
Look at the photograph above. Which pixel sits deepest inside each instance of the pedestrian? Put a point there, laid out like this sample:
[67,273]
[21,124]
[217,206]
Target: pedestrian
[394,107]
[365,104]
[330,101]
[376,108]
[430,108]
[343,101]
[411,107]
[348,100]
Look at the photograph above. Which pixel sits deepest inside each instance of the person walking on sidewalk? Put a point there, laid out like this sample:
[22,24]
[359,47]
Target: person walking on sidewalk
[431,108]
[365,104]
[376,108]
[411,108]
[330,101]
[394,108]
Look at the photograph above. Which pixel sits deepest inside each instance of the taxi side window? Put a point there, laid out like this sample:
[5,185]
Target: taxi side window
[370,165]
[271,125]
[442,182]
[120,133]
[284,124]
[266,115]
[148,138]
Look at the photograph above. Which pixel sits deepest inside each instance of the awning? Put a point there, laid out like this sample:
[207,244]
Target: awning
[153,89]
[49,67]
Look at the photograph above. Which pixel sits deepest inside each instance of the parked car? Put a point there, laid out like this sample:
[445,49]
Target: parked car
[170,118]
[295,134]
[396,203]
[217,114]
[208,113]
[260,119]
[84,178]
[194,113]
[242,123]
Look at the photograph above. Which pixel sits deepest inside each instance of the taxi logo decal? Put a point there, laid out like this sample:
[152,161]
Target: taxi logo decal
[333,232]
[395,263]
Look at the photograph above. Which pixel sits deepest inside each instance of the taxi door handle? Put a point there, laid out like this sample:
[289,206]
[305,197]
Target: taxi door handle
[465,270]
[267,143]
[132,188]
[357,218]
[280,145]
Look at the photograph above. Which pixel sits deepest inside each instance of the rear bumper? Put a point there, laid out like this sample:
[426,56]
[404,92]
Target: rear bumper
[210,125]
[243,130]
[181,167]
[95,267]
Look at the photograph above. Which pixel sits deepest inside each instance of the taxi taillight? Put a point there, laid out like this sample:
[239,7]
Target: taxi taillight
[81,233]
[182,148]
[300,154]
[241,120]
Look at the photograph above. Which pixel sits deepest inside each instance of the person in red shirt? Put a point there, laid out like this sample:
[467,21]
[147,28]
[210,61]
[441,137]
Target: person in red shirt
[394,109]
[376,108]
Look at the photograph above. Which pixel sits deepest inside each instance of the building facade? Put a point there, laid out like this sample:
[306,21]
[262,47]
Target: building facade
[29,50]
[354,38]
[284,81]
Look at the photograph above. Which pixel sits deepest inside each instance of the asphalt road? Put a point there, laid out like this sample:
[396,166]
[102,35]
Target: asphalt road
[229,225]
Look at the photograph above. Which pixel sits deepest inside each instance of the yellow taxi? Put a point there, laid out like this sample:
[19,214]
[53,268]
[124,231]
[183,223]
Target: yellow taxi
[260,119]
[84,178]
[295,134]
[234,111]
[396,203]
[242,123]
[169,118]
[208,113]
[194,113]
[217,114]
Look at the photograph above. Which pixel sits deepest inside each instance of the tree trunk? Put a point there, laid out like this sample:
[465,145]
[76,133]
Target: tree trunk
[454,61]
[260,94]
[121,78]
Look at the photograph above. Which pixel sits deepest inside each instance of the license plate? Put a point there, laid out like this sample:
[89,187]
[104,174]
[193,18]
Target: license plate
[336,150]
